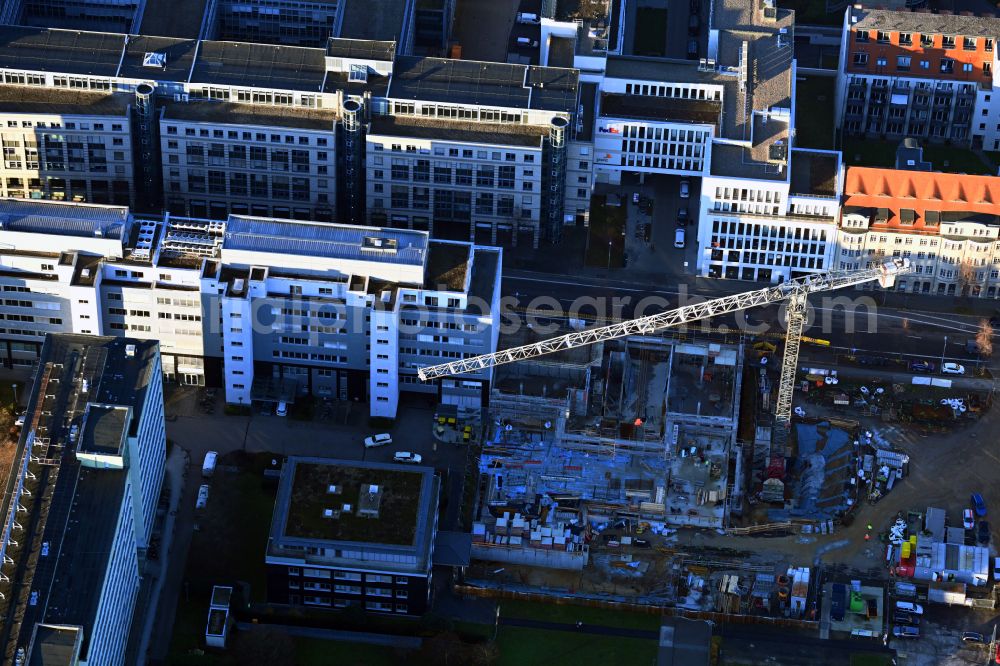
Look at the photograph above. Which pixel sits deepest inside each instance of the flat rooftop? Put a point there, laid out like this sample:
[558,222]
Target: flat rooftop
[397,246]
[814,173]
[178,55]
[260,65]
[924,23]
[80,518]
[447,265]
[527,136]
[64,219]
[104,429]
[64,51]
[41,101]
[485,274]
[700,111]
[484,83]
[229,113]
[55,645]
[361,49]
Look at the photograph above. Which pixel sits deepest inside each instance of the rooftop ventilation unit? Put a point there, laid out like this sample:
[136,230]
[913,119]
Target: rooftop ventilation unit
[358,73]
[154,59]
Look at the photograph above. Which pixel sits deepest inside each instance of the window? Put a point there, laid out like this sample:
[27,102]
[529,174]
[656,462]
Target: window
[882,62]
[927,41]
[947,42]
[860,59]
[861,36]
[903,63]
[905,39]
[969,43]
[966,66]
[947,65]
[882,37]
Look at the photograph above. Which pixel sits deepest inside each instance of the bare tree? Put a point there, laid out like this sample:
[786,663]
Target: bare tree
[984,338]
[966,277]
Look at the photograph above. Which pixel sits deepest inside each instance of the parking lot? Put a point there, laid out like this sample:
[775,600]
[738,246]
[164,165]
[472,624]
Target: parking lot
[651,226]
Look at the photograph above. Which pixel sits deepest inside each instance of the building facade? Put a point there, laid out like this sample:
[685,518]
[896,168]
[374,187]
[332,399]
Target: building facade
[269,308]
[945,224]
[927,76]
[207,129]
[95,416]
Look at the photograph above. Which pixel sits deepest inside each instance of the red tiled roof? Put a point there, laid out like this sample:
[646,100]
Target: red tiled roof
[921,191]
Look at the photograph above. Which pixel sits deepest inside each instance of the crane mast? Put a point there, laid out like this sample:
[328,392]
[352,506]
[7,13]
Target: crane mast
[795,291]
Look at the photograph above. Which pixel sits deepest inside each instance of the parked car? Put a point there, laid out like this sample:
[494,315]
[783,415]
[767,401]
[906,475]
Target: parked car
[983,535]
[682,216]
[378,440]
[202,500]
[973,637]
[978,504]
[922,366]
[905,618]
[685,189]
[208,467]
[282,409]
[968,520]
[910,607]
[950,368]
[692,52]
[19,421]
[837,602]
[635,198]
[407,457]
[679,237]
[905,632]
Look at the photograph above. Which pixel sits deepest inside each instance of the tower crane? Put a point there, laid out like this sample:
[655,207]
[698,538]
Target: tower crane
[795,291]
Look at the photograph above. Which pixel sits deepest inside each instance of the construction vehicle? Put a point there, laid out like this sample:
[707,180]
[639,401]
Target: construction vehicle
[795,292]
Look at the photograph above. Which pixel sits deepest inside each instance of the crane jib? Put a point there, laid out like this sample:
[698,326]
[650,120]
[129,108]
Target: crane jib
[885,274]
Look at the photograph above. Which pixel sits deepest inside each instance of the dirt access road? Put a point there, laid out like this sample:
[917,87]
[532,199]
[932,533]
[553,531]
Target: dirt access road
[944,471]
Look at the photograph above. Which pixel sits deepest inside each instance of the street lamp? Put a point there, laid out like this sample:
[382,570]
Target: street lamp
[246,431]
[14,386]
[944,348]
[496,623]
[609,255]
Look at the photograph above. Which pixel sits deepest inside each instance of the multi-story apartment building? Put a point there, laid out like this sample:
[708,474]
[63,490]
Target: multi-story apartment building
[208,129]
[461,147]
[346,533]
[914,74]
[270,308]
[946,224]
[72,146]
[81,499]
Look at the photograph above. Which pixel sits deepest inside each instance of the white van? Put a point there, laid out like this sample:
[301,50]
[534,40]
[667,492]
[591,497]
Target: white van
[526,18]
[910,607]
[208,467]
[202,500]
[679,238]
[524,41]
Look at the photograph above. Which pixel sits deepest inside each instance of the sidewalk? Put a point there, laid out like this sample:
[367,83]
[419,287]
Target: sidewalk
[175,477]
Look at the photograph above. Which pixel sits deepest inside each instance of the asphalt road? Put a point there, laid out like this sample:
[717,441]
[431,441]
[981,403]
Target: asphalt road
[868,321]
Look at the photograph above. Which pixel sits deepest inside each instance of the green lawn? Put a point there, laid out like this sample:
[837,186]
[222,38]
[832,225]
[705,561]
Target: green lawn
[570,614]
[536,647]
[814,98]
[949,158]
[607,225]
[870,660]
[812,12]
[875,153]
[650,31]
[317,652]
[7,393]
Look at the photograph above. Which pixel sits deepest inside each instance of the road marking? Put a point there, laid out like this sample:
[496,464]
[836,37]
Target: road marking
[915,337]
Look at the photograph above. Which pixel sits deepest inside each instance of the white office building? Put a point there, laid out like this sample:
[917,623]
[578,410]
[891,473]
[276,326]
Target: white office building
[271,309]
[86,481]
